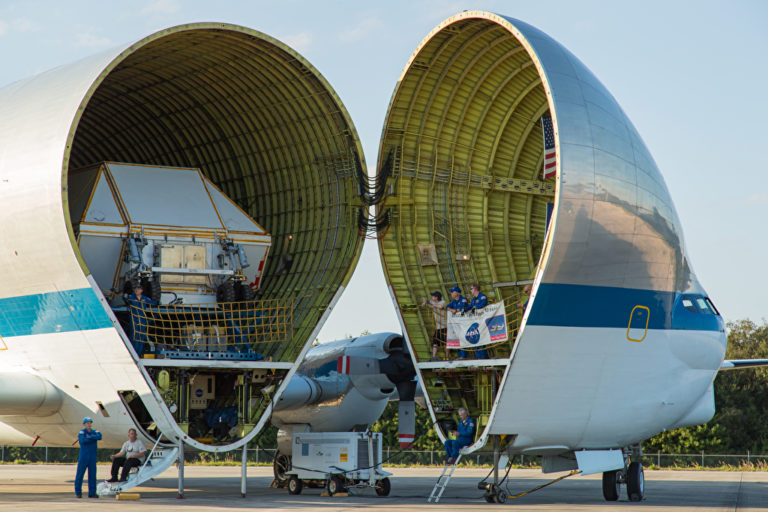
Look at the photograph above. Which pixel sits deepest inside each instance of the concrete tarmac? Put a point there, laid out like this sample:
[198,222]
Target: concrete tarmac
[49,488]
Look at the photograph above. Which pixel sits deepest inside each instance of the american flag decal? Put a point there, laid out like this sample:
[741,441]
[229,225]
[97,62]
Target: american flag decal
[550,156]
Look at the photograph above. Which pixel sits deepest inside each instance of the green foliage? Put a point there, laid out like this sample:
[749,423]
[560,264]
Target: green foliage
[741,402]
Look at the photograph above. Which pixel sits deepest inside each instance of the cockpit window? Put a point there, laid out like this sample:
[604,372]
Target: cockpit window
[712,306]
[689,305]
[699,304]
[703,306]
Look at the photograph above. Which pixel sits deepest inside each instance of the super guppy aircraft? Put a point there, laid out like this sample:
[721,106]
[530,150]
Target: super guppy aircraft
[206,162]
[210,162]
[619,340]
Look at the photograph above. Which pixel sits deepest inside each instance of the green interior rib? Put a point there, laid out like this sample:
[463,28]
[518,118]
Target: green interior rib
[464,129]
[263,125]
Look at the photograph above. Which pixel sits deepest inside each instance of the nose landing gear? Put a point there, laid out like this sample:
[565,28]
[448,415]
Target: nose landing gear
[632,475]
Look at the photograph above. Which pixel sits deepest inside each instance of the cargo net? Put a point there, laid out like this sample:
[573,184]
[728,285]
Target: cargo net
[250,330]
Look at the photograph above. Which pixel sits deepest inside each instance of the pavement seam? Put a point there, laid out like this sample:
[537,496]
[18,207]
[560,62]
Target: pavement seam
[738,493]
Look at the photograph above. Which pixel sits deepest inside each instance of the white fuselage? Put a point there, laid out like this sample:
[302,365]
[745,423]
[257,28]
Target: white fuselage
[592,388]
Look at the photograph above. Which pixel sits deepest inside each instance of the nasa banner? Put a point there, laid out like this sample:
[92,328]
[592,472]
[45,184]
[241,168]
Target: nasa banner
[477,329]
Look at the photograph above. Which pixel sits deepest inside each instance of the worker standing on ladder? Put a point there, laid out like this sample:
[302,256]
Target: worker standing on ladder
[465,436]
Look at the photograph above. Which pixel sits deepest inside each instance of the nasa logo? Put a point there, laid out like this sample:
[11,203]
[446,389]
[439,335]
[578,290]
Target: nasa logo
[198,393]
[473,334]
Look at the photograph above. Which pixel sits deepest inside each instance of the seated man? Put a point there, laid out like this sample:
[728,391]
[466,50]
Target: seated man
[465,436]
[131,455]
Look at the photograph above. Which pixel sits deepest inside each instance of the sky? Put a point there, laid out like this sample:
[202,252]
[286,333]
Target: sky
[691,75]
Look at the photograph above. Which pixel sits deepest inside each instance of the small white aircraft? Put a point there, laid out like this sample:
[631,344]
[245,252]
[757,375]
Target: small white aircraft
[344,386]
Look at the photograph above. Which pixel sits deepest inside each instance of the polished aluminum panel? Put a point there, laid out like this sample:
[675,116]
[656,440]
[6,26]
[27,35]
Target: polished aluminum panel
[615,223]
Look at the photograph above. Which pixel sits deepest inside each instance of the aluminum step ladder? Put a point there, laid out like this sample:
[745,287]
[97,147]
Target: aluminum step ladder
[158,460]
[442,481]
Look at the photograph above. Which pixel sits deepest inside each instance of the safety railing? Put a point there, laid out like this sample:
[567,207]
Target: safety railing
[256,327]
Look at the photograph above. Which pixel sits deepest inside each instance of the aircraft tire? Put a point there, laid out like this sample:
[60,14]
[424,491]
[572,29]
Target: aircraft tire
[280,465]
[635,482]
[501,496]
[225,292]
[611,486]
[244,292]
[384,487]
[335,485]
[152,288]
[294,485]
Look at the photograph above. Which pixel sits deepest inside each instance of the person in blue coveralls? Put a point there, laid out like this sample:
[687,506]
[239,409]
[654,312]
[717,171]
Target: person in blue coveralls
[465,436]
[459,304]
[139,303]
[88,439]
[478,302]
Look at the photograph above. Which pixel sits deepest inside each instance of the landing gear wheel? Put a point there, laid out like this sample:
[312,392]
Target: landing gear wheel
[501,496]
[294,485]
[611,486]
[384,487]
[225,292]
[635,482]
[151,287]
[244,292]
[489,498]
[280,466]
[335,485]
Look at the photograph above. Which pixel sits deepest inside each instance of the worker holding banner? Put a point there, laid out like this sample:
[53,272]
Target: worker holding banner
[487,326]
[477,304]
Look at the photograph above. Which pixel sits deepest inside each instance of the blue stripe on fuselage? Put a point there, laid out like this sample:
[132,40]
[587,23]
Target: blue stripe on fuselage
[71,310]
[568,305]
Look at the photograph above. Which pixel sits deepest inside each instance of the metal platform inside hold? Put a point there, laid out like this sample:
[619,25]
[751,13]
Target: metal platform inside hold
[218,356]
[215,363]
[462,363]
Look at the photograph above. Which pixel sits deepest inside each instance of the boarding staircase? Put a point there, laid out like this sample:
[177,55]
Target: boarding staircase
[158,460]
[442,481]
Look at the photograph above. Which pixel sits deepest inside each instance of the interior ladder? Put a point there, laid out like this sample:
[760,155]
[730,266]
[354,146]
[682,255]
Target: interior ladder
[442,481]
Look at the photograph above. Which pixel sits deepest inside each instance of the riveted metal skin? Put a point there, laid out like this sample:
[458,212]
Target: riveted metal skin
[259,121]
[464,119]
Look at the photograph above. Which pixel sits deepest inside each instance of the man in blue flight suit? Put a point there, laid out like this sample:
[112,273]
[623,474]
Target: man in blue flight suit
[139,305]
[88,439]
[465,436]
[478,302]
[458,305]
